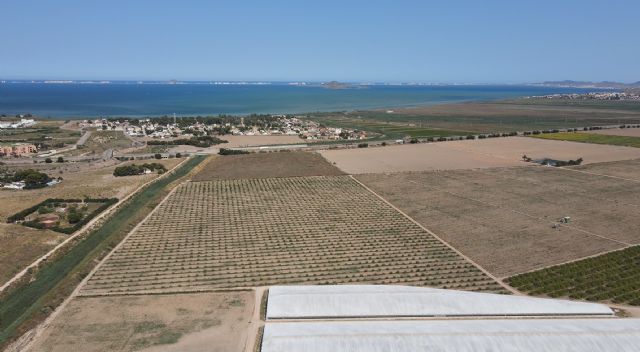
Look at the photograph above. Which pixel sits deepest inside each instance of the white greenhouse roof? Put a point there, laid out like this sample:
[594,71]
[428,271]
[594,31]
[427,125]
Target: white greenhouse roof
[353,301]
[522,335]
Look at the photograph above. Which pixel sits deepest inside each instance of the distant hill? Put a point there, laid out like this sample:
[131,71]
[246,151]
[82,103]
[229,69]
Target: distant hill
[586,84]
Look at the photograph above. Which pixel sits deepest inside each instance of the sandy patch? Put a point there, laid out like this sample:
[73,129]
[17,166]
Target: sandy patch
[472,154]
[185,322]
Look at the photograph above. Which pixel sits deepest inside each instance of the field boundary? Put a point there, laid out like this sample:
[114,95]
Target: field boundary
[86,228]
[25,341]
[496,279]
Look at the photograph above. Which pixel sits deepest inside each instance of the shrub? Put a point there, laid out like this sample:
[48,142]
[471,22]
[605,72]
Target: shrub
[48,160]
[363,145]
[178,155]
[226,151]
[60,160]
[413,140]
[157,156]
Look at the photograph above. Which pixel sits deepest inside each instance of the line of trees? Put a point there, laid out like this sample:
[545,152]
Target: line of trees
[200,142]
[133,169]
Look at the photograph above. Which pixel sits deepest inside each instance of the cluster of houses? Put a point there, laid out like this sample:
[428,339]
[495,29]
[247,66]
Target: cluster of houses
[313,130]
[19,185]
[595,96]
[17,149]
[23,123]
[284,125]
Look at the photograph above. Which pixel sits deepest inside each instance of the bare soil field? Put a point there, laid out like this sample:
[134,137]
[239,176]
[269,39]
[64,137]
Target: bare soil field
[260,232]
[470,154]
[503,218]
[21,245]
[252,141]
[266,165]
[629,169]
[182,322]
[625,132]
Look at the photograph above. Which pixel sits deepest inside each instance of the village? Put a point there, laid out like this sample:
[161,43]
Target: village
[271,125]
[624,96]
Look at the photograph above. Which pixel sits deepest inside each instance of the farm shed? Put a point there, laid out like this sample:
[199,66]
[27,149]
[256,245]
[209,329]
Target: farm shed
[523,335]
[361,301]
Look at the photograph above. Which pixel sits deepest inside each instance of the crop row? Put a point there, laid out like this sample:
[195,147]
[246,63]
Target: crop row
[612,277]
[246,233]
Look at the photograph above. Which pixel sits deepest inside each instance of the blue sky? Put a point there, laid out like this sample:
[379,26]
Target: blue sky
[423,41]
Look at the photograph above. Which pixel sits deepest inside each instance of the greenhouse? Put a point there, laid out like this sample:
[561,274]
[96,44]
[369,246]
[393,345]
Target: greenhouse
[523,335]
[362,301]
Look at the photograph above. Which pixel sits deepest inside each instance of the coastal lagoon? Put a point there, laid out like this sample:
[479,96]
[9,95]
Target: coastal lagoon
[118,99]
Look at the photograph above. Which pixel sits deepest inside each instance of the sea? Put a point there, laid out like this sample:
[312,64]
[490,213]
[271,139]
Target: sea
[72,100]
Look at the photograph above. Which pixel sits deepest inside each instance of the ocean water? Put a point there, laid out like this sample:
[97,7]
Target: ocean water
[92,100]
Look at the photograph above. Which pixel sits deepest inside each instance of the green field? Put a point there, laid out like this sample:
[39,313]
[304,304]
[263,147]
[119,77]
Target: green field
[389,130]
[592,138]
[612,277]
[35,297]
[487,117]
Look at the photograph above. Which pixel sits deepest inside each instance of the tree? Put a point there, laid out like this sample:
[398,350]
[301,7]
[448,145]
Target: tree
[48,160]
[157,156]
[178,155]
[60,160]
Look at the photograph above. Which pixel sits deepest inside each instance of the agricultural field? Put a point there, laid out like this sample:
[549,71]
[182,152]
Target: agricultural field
[470,154]
[264,165]
[503,218]
[629,170]
[626,132]
[612,277]
[486,117]
[31,301]
[22,245]
[184,322]
[258,232]
[595,138]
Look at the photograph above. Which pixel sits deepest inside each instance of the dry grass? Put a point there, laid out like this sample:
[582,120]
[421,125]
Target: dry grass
[266,165]
[262,232]
[81,180]
[184,322]
[20,246]
[502,218]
